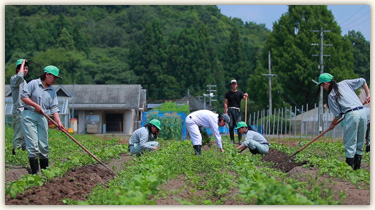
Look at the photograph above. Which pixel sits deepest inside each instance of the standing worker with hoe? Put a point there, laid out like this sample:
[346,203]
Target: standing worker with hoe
[206,119]
[17,83]
[39,97]
[343,100]
[232,107]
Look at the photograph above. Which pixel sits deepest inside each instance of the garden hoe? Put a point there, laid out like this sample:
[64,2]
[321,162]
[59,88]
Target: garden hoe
[79,144]
[316,138]
[246,110]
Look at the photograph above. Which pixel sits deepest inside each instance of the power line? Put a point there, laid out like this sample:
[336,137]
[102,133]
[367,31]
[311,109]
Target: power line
[345,25]
[352,15]
[357,24]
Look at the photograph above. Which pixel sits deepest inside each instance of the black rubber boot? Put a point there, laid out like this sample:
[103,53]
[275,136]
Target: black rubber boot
[368,148]
[43,163]
[197,149]
[357,162]
[34,165]
[254,151]
[350,162]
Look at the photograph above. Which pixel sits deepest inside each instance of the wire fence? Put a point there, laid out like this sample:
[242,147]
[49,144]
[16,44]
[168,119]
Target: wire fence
[296,122]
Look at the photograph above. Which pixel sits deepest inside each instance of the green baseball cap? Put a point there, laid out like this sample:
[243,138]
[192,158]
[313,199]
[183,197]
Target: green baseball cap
[52,70]
[325,77]
[19,61]
[241,124]
[156,123]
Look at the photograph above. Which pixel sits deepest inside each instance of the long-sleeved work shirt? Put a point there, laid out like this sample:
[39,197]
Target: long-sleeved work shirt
[17,83]
[348,100]
[208,119]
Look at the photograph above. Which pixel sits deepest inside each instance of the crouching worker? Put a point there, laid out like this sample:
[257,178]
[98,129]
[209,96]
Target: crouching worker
[255,141]
[144,139]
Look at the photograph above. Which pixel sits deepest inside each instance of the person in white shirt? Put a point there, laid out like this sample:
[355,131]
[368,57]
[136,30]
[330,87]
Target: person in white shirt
[206,119]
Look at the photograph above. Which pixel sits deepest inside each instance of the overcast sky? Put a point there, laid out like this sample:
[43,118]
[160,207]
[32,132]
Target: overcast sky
[349,17]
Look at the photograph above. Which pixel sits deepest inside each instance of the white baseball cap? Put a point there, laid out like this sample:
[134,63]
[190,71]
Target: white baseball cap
[233,81]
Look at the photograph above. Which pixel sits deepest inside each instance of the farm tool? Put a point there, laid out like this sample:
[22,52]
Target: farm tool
[246,110]
[316,138]
[79,144]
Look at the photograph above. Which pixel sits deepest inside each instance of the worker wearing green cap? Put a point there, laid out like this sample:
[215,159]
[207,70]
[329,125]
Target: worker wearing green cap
[144,139]
[342,100]
[255,141]
[39,97]
[17,83]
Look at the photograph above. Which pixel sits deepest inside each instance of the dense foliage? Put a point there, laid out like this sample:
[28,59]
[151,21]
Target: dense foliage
[172,49]
[167,49]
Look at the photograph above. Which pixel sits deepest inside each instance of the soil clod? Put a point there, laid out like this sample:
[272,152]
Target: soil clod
[282,160]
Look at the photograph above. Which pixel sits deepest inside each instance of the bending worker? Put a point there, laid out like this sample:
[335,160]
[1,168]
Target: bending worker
[255,141]
[342,99]
[207,119]
[144,139]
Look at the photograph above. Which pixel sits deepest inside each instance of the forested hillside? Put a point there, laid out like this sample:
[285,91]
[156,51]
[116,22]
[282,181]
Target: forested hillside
[172,49]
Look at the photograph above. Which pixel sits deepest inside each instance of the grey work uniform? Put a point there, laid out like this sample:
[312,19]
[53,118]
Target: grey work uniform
[256,142]
[34,124]
[17,83]
[355,121]
[142,140]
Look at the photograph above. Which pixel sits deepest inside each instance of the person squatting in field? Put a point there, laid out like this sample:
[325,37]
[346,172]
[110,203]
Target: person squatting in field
[39,97]
[342,99]
[255,141]
[232,107]
[144,139]
[17,83]
[206,119]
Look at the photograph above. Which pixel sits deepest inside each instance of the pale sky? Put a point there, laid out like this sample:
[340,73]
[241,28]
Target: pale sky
[349,17]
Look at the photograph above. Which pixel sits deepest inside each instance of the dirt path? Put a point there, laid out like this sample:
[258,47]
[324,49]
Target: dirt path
[75,184]
[354,196]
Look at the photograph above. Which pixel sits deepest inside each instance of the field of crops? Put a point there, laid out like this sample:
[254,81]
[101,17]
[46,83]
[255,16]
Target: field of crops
[173,175]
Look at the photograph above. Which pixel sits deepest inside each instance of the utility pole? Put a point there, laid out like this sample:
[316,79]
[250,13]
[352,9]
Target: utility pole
[321,67]
[210,90]
[269,82]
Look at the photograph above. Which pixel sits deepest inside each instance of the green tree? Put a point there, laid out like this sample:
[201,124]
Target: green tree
[361,53]
[80,42]
[153,59]
[43,38]
[237,66]
[59,25]
[292,60]
[65,40]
